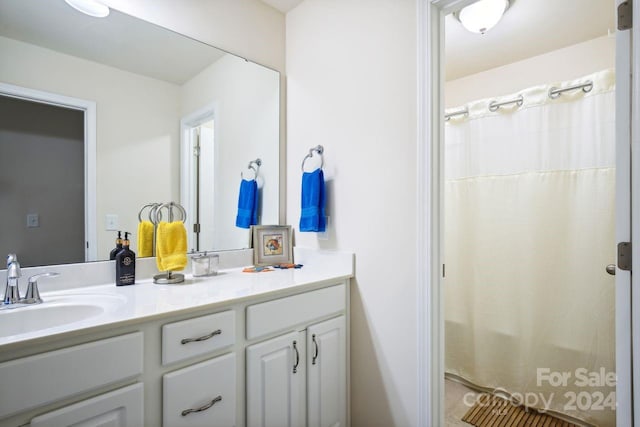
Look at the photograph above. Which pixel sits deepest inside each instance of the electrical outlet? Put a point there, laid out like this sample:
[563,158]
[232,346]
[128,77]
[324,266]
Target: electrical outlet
[112,222]
[33,220]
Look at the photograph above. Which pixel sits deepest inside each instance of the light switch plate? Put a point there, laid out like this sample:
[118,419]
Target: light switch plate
[112,222]
[33,220]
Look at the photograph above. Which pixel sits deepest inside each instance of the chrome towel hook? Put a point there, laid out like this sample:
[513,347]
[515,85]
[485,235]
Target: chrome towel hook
[318,149]
[254,165]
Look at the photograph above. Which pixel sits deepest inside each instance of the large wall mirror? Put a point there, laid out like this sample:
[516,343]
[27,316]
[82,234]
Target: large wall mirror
[101,116]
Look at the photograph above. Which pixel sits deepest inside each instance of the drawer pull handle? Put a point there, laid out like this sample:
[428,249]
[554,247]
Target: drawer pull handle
[202,408]
[295,367]
[203,338]
[315,354]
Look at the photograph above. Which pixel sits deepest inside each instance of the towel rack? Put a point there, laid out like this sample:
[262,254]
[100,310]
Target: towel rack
[152,208]
[168,277]
[257,162]
[317,149]
[169,207]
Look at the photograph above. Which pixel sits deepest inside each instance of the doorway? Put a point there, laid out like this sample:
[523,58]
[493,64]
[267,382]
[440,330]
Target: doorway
[434,160]
[198,181]
[48,175]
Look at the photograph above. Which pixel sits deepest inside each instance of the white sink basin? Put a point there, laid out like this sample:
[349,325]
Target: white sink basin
[55,311]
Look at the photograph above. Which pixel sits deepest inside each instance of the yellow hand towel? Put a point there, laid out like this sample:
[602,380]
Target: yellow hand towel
[145,239]
[171,246]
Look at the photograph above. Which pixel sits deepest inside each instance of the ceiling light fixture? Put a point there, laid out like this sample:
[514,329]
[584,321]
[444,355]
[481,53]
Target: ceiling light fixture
[90,7]
[482,15]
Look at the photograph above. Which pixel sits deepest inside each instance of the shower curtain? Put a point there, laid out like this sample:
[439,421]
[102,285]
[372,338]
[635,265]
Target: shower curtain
[529,229]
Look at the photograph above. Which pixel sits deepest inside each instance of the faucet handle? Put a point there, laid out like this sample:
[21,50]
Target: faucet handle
[33,295]
[13,267]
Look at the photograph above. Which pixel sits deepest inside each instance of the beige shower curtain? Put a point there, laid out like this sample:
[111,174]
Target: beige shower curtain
[529,214]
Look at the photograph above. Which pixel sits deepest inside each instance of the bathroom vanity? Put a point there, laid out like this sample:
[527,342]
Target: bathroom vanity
[237,349]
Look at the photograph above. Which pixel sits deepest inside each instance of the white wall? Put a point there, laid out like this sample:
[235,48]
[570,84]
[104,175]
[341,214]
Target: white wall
[351,83]
[245,127]
[248,28]
[559,65]
[137,128]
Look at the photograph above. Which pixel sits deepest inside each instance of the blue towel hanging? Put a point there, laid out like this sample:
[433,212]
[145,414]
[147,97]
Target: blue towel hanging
[247,204]
[312,215]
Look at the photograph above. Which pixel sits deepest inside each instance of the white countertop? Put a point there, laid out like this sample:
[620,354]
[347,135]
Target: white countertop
[146,300]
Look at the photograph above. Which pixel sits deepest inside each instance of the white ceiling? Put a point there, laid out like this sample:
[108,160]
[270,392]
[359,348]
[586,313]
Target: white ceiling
[528,28]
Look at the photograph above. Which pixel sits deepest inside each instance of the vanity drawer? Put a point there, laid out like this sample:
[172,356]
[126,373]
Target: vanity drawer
[120,408]
[281,314]
[201,395]
[194,337]
[45,378]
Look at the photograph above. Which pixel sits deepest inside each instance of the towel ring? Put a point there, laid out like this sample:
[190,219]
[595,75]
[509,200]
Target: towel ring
[257,162]
[169,206]
[152,206]
[318,149]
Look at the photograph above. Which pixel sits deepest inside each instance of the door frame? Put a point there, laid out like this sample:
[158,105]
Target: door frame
[90,138]
[187,188]
[430,73]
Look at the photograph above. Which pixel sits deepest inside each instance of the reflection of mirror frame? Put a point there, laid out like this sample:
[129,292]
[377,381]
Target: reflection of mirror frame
[89,109]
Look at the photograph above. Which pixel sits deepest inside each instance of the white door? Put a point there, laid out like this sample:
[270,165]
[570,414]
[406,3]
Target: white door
[276,382]
[326,374]
[631,39]
[624,160]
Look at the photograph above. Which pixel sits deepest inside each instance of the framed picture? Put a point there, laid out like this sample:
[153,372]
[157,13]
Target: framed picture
[272,244]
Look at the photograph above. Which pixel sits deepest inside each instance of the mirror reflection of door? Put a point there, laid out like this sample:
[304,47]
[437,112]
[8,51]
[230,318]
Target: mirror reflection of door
[203,179]
[43,208]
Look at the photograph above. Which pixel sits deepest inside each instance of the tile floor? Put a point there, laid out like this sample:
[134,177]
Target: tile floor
[454,403]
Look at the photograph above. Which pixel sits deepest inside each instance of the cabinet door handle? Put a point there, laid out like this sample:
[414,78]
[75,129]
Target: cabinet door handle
[295,348]
[202,338]
[202,408]
[315,345]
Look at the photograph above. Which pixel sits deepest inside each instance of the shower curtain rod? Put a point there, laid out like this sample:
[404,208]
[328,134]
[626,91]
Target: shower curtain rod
[553,93]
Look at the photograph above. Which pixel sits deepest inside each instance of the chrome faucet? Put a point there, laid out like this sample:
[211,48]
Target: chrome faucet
[33,295]
[11,291]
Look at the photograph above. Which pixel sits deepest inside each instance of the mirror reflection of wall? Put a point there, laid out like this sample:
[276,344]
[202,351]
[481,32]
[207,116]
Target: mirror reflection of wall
[144,80]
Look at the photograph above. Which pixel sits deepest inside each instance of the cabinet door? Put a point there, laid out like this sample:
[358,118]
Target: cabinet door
[326,373]
[276,382]
[203,394]
[119,408]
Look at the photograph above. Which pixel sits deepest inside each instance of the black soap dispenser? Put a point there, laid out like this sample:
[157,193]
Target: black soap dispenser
[118,247]
[125,264]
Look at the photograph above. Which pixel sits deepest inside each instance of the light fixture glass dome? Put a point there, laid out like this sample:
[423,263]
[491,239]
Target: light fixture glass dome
[90,7]
[483,15]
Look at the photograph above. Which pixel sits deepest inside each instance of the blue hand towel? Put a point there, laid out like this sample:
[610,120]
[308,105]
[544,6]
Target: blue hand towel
[312,216]
[247,204]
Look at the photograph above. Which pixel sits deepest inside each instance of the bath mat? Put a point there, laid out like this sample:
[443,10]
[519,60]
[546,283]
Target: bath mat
[494,411]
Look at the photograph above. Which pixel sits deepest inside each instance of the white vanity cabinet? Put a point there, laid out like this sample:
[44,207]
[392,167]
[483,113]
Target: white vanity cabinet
[275,357]
[298,378]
